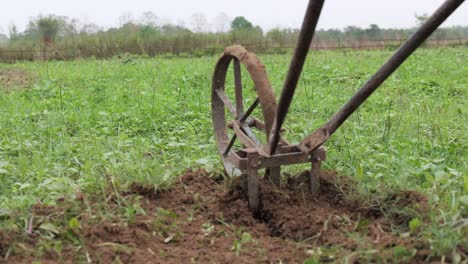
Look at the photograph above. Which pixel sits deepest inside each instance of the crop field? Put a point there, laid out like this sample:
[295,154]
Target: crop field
[115,161]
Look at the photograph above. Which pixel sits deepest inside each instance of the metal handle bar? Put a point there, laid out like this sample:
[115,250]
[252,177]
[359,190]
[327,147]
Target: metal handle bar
[318,137]
[303,46]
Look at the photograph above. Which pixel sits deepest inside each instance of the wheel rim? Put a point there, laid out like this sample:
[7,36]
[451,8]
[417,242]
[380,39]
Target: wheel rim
[265,95]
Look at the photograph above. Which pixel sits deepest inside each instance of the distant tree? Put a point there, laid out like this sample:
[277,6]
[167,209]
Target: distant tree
[170,29]
[354,32]
[180,23]
[221,22]
[441,34]
[126,18]
[241,22]
[420,19]
[199,22]
[48,28]
[69,27]
[276,35]
[331,35]
[374,32]
[149,19]
[3,39]
[90,28]
[151,35]
[13,32]
[258,30]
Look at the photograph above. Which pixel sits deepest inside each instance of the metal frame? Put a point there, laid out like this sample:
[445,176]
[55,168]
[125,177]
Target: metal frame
[278,152]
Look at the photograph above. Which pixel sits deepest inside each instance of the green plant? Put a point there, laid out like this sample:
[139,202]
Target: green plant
[242,239]
[85,122]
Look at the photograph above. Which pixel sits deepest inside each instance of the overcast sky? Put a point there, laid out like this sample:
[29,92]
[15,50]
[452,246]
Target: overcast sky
[266,13]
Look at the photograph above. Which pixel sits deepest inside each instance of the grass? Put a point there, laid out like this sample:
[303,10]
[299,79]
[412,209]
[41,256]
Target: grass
[86,122]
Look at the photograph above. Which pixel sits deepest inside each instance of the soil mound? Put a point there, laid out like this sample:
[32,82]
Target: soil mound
[337,217]
[200,220]
[14,79]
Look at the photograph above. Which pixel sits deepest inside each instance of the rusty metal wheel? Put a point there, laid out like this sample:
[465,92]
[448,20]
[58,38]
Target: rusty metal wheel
[238,116]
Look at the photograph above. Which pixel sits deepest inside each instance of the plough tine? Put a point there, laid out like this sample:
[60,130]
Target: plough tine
[254,156]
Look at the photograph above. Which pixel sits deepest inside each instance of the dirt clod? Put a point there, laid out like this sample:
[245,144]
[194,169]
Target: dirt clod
[199,220]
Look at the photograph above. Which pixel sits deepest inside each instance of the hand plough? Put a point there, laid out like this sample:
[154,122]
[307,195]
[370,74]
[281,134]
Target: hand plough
[253,155]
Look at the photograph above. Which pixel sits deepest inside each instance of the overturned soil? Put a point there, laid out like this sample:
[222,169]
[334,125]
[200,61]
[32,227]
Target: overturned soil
[201,220]
[14,79]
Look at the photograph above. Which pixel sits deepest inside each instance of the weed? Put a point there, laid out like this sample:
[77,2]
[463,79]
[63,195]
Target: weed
[242,239]
[83,120]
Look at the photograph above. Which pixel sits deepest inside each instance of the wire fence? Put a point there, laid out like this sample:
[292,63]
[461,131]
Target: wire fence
[103,52]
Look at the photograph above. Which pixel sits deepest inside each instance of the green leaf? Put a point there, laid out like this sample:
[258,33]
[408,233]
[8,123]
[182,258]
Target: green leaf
[465,183]
[118,247]
[49,227]
[74,223]
[359,171]
[246,238]
[463,199]
[203,161]
[4,212]
[414,225]
[362,224]
[311,260]
[401,252]
[236,247]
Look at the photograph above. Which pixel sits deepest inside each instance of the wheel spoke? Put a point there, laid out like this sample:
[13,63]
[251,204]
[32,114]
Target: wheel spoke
[254,122]
[238,85]
[250,133]
[247,131]
[226,101]
[245,127]
[250,110]
[231,144]
[232,120]
[246,140]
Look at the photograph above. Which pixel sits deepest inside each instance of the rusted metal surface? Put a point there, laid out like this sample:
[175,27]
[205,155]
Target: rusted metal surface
[252,122]
[274,175]
[302,49]
[318,156]
[284,159]
[272,161]
[246,139]
[238,161]
[227,103]
[278,152]
[220,102]
[238,89]
[253,184]
[250,110]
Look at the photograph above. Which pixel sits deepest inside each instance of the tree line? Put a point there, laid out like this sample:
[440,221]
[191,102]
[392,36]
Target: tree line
[60,37]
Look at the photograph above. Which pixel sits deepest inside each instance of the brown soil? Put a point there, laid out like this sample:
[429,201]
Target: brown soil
[14,79]
[198,220]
